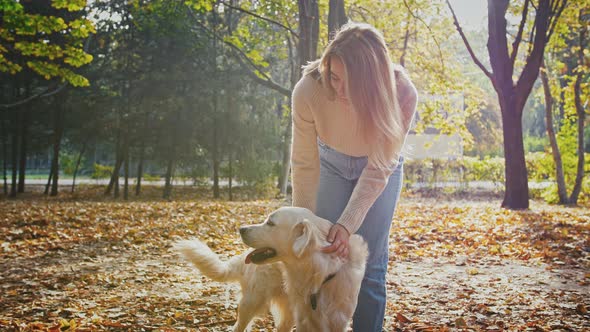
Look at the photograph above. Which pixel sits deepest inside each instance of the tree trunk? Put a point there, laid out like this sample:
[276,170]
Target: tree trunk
[306,51]
[114,181]
[215,153]
[15,148]
[78,163]
[561,187]
[49,178]
[172,153]
[127,129]
[516,196]
[230,111]
[24,133]
[402,58]
[284,178]
[336,16]
[168,185]
[308,31]
[59,128]
[126,166]
[230,176]
[4,153]
[215,167]
[286,148]
[140,168]
[581,118]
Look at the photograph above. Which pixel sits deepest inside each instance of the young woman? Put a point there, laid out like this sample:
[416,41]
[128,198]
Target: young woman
[352,110]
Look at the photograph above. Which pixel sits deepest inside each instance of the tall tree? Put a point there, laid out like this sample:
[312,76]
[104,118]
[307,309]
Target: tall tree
[336,15]
[4,138]
[565,88]
[58,129]
[512,95]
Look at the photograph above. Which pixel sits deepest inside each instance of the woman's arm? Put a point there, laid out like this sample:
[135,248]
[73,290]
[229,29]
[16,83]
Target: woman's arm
[305,164]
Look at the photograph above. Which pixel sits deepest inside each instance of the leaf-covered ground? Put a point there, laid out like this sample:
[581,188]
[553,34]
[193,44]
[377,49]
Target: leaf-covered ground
[85,263]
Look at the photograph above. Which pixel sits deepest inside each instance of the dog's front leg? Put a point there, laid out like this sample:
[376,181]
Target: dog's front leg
[241,323]
[247,310]
[285,325]
[283,315]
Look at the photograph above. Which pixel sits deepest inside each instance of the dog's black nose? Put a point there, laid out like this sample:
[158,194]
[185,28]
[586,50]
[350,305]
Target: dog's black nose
[243,230]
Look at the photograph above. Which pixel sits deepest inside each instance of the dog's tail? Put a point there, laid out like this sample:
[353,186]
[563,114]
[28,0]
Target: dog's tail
[208,262]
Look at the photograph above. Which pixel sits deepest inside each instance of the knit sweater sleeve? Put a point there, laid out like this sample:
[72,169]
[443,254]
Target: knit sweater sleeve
[305,164]
[373,180]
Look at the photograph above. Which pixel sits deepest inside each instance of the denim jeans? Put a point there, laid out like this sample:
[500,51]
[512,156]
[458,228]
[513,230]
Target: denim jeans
[339,174]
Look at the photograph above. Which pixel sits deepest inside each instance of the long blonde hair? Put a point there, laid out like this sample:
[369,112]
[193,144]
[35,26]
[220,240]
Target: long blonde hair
[371,88]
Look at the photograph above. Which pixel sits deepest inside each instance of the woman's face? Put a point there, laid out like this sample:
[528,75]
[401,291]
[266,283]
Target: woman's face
[338,77]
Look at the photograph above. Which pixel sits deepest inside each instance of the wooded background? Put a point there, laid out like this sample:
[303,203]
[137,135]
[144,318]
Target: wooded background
[200,89]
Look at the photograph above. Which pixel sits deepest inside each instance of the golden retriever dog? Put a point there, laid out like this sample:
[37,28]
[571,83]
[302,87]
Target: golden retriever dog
[290,273]
[322,288]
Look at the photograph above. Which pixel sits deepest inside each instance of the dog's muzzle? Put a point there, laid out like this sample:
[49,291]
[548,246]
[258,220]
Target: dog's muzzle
[258,255]
[243,230]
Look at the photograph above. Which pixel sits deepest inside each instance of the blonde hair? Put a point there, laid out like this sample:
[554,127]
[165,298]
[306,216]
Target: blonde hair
[370,88]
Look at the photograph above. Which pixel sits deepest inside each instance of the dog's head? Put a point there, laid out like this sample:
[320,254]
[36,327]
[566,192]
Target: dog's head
[288,233]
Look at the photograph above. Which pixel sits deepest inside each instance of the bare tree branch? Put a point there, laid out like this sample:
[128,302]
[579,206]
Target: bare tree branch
[49,91]
[518,37]
[261,17]
[240,56]
[535,57]
[292,62]
[265,82]
[466,42]
[580,121]
[532,34]
[402,58]
[361,11]
[431,33]
[555,16]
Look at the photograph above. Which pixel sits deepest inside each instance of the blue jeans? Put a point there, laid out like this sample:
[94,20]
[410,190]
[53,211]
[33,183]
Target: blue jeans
[339,174]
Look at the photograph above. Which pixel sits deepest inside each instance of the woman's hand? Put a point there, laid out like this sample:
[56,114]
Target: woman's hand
[339,237]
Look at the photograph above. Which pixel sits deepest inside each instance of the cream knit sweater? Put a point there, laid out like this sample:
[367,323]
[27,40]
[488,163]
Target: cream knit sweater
[314,115]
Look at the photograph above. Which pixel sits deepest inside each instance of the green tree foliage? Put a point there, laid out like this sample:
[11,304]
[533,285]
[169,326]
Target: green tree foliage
[565,91]
[417,34]
[45,36]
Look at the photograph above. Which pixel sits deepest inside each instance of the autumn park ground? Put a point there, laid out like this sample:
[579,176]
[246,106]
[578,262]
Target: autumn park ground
[83,262]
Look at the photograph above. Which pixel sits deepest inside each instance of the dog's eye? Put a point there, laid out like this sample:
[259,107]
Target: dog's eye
[270,223]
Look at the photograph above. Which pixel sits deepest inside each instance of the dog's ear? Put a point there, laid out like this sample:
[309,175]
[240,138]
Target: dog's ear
[301,233]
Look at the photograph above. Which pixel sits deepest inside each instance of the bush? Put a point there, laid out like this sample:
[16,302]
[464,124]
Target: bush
[550,194]
[254,173]
[535,144]
[488,169]
[102,171]
[150,177]
[68,162]
[540,166]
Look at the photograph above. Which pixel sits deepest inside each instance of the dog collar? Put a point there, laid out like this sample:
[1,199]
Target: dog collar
[314,297]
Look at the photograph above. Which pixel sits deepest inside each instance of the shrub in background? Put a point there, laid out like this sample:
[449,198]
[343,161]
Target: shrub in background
[101,171]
